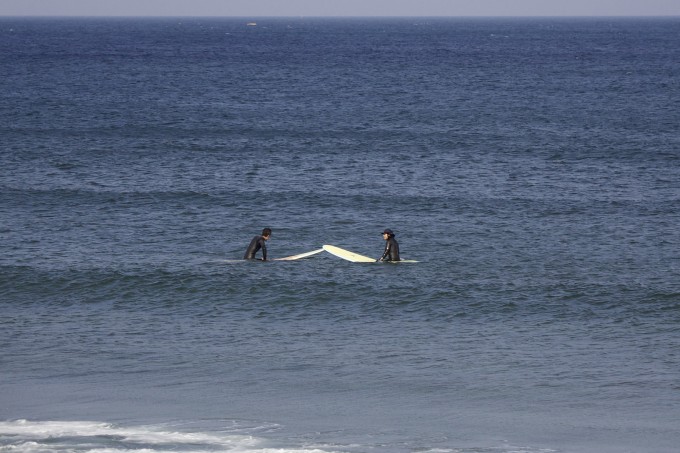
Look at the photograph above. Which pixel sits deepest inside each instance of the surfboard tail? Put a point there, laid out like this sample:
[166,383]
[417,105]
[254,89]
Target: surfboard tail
[299,256]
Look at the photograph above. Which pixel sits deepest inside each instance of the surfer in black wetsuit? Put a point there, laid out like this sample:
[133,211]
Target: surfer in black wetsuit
[391,252]
[258,242]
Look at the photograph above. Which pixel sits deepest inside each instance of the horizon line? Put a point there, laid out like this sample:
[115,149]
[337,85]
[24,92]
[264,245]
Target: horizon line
[169,16]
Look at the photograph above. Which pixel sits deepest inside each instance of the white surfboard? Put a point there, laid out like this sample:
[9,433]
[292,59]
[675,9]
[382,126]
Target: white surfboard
[347,255]
[297,257]
[355,257]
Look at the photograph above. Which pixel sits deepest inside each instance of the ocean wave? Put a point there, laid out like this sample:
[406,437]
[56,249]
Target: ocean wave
[28,436]
[95,437]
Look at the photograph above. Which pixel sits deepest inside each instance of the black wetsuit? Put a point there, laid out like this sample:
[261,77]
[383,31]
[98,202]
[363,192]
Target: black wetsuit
[391,252]
[256,244]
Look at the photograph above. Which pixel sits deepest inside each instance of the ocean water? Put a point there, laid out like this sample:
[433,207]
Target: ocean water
[531,166]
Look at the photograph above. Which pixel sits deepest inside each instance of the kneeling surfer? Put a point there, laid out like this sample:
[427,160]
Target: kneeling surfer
[391,252]
[257,243]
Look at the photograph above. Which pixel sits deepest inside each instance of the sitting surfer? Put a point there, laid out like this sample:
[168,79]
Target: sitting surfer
[391,252]
[258,242]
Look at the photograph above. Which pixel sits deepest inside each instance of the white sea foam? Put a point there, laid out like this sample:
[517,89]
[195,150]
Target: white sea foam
[93,437]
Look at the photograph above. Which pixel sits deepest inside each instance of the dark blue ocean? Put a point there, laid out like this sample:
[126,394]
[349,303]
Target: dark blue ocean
[531,166]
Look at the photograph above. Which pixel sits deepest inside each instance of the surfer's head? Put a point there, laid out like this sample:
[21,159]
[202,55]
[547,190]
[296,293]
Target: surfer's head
[266,233]
[388,232]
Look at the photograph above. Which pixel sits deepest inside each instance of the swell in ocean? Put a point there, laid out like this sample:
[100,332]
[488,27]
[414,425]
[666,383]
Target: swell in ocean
[530,166]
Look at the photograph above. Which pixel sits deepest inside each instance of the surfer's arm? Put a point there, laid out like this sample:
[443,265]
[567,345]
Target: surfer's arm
[263,244]
[386,252]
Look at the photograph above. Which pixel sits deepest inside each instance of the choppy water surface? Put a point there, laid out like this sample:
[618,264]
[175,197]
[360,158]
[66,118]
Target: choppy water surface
[532,167]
